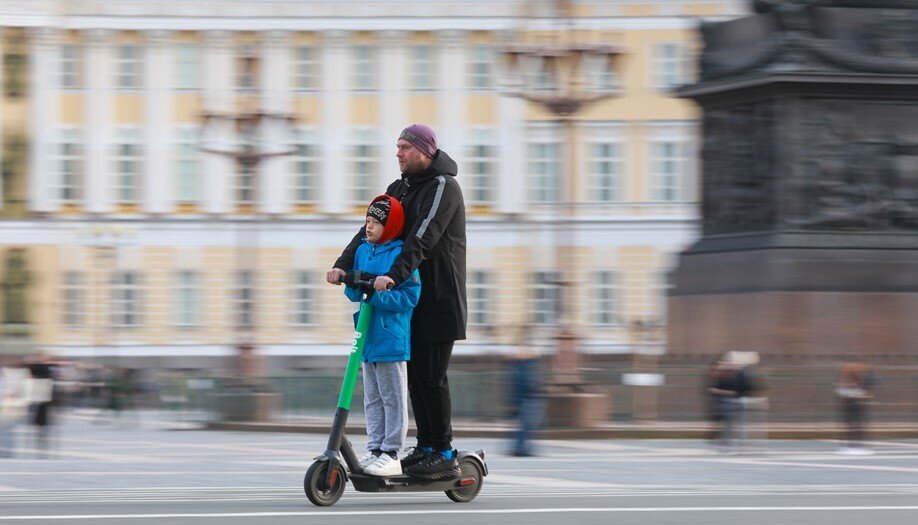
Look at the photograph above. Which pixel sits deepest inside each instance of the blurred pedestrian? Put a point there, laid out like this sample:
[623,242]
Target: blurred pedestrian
[525,402]
[854,390]
[41,398]
[13,404]
[729,386]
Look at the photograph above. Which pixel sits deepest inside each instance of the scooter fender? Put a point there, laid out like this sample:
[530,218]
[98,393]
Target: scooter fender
[475,456]
[324,457]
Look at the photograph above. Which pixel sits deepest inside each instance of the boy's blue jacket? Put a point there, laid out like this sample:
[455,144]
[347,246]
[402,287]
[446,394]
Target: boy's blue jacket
[389,337]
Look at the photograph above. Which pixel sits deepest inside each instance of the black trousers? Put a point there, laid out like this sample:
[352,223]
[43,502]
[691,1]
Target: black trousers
[428,388]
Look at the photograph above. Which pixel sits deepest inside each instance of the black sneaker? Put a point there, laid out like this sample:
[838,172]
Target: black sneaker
[435,467]
[413,458]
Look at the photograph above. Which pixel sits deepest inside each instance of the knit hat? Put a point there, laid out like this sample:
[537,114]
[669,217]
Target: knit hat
[422,137]
[390,214]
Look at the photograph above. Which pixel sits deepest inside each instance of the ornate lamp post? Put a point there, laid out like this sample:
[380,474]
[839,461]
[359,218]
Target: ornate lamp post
[244,137]
[560,67]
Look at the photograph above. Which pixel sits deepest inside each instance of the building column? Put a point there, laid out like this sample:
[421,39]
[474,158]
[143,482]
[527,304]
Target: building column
[335,68]
[393,111]
[275,183]
[99,78]
[159,177]
[451,99]
[511,126]
[219,171]
[43,42]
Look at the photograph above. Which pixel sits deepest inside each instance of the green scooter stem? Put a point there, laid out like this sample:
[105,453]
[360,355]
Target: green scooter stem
[353,362]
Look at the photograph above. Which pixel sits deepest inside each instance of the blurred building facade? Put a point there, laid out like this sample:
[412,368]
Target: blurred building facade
[132,235]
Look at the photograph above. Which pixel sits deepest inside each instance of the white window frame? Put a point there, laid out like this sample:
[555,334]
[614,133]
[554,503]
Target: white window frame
[543,173]
[188,164]
[245,283]
[187,299]
[245,81]
[73,300]
[482,63]
[670,65]
[69,161]
[128,151]
[126,299]
[307,68]
[129,69]
[188,66]
[364,166]
[423,68]
[536,75]
[305,166]
[601,76]
[481,152]
[479,286]
[605,188]
[544,298]
[365,68]
[606,297]
[305,307]
[246,185]
[72,66]
[669,168]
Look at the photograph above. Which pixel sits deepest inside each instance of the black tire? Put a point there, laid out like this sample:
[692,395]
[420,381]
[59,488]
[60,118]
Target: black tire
[314,485]
[470,469]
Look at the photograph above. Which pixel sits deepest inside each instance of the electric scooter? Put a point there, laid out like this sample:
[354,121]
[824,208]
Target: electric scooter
[326,478]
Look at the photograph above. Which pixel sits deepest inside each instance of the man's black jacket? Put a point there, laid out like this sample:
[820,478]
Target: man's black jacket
[434,243]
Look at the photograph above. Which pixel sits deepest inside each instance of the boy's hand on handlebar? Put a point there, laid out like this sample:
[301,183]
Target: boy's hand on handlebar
[383,283]
[334,276]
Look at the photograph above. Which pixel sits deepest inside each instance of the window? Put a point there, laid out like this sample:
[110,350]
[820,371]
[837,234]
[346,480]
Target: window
[245,186]
[187,160]
[538,74]
[481,164]
[670,65]
[601,76]
[187,299]
[188,67]
[481,68]
[306,167]
[128,167]
[545,305]
[605,299]
[669,166]
[364,64]
[364,164]
[73,300]
[479,287]
[305,298]
[69,163]
[306,69]
[129,68]
[544,167]
[15,75]
[423,68]
[245,299]
[604,171]
[247,66]
[126,300]
[71,66]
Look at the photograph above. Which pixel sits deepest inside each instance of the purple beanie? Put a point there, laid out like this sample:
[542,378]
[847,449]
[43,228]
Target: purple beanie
[421,137]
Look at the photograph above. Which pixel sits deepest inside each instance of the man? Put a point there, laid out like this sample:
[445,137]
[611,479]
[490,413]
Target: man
[434,244]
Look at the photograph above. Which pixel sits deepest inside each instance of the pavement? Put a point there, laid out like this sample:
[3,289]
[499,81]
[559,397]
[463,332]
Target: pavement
[144,471]
[639,430]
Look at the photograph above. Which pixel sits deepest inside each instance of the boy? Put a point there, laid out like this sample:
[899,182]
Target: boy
[387,347]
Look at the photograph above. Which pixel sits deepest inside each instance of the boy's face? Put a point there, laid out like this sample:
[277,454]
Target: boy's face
[374,230]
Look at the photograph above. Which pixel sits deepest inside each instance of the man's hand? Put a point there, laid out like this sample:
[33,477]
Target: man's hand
[383,283]
[334,276]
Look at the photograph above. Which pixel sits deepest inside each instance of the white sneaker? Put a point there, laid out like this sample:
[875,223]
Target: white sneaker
[367,459]
[385,465]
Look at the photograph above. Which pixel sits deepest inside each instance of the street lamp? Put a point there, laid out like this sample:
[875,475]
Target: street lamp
[244,138]
[560,67]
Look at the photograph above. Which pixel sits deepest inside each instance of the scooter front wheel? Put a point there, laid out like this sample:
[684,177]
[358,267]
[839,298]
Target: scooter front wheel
[316,486]
[471,479]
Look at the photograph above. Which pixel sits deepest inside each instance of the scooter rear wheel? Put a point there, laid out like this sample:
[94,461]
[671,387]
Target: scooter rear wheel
[470,470]
[314,484]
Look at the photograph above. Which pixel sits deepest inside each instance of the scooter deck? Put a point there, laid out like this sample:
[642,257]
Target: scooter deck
[402,483]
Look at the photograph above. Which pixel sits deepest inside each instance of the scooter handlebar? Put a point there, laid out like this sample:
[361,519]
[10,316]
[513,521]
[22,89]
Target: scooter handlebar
[362,281]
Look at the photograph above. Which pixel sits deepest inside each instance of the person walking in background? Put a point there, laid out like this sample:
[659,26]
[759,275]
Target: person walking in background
[854,390]
[434,245]
[728,388]
[13,404]
[525,404]
[41,398]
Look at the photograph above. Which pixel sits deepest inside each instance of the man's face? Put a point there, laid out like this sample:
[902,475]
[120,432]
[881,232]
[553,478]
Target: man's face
[410,159]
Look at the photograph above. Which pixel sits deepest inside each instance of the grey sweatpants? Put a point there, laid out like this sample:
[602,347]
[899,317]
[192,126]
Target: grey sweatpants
[385,404]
